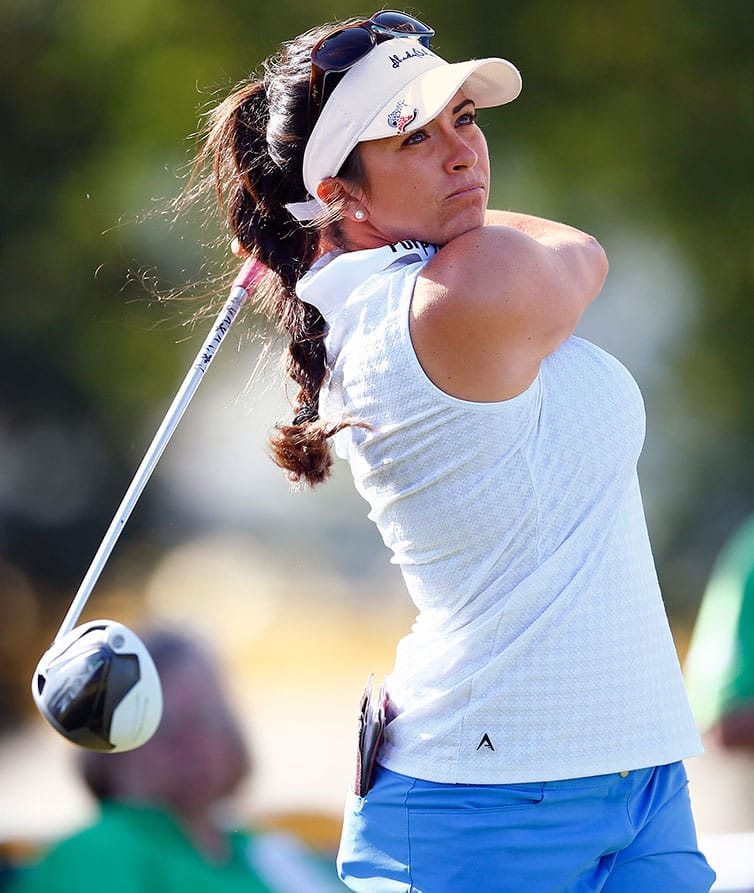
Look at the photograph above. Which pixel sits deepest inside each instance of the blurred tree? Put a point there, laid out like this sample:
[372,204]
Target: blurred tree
[647,108]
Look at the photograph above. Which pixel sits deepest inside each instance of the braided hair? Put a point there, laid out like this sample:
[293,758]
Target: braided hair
[254,144]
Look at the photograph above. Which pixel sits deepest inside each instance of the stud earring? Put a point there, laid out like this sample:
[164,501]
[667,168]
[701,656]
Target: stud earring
[360,215]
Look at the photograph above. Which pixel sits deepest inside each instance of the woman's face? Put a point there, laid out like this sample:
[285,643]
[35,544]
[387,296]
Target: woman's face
[431,184]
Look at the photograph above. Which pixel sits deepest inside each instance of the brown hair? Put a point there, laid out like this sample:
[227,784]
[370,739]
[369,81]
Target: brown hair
[254,149]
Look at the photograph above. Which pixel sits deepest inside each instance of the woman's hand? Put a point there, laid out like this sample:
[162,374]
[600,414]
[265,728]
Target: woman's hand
[237,248]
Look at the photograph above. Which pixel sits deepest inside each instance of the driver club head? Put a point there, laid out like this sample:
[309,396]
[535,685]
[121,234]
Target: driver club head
[98,687]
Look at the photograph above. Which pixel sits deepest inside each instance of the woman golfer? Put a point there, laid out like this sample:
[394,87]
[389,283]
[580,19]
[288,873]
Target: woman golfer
[537,717]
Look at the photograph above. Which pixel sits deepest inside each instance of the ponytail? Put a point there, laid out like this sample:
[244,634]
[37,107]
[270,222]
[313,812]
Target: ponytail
[254,145]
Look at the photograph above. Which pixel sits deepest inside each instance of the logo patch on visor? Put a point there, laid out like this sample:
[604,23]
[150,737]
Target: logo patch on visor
[401,117]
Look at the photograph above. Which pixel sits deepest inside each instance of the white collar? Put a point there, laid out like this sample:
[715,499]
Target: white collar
[333,278]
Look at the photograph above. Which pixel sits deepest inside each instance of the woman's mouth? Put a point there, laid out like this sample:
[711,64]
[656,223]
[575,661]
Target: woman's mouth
[470,190]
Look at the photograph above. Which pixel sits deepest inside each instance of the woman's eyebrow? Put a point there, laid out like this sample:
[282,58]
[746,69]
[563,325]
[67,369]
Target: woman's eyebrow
[462,104]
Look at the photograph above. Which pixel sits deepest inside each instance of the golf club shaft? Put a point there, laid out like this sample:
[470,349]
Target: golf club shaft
[250,274]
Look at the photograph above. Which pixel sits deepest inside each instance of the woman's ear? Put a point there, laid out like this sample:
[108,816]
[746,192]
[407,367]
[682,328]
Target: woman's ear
[330,190]
[337,196]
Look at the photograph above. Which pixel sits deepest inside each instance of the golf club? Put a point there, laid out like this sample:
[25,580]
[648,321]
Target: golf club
[97,684]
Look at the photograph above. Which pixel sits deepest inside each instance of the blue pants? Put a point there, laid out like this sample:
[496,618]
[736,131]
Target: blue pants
[624,833]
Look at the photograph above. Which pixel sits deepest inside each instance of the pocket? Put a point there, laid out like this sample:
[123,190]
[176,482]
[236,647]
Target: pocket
[472,834]
[354,803]
[435,799]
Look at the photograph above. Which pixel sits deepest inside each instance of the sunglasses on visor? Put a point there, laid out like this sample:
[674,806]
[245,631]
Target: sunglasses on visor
[341,49]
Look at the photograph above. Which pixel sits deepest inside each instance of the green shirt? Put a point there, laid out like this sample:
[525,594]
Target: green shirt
[720,662]
[135,849]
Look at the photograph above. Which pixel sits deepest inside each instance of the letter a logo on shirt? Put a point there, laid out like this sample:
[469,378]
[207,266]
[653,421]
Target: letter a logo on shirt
[485,742]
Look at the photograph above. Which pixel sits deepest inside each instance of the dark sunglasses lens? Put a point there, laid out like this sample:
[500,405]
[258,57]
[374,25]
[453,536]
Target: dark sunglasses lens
[398,21]
[338,51]
[342,49]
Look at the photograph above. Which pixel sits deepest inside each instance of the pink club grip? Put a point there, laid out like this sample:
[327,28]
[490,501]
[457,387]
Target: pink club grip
[251,272]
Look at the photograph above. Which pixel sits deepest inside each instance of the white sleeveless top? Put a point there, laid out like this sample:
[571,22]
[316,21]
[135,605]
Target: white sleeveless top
[541,649]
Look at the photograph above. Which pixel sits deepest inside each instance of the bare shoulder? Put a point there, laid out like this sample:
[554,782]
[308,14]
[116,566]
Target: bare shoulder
[491,304]
[487,251]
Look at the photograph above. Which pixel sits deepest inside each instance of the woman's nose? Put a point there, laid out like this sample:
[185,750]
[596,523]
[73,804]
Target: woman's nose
[460,153]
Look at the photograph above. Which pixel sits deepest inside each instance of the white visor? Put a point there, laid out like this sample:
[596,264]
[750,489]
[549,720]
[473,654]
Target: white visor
[396,88]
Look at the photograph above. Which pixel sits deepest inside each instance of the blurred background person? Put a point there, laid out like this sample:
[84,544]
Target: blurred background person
[159,825]
[719,670]
[720,663]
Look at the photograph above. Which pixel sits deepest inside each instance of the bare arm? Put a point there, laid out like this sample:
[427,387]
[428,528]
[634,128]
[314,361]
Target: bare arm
[498,299]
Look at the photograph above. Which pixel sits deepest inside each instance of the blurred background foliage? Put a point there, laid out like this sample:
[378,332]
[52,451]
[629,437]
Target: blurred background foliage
[635,119]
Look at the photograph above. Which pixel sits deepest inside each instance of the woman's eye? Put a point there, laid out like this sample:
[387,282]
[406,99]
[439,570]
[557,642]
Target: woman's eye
[418,136]
[466,119]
